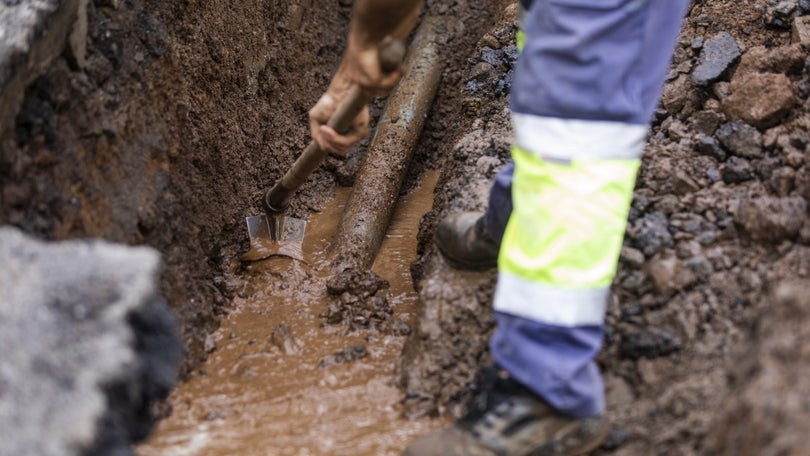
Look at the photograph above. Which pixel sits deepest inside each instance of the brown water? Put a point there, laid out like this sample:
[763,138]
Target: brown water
[260,394]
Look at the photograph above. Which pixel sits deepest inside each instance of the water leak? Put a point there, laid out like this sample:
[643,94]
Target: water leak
[263,390]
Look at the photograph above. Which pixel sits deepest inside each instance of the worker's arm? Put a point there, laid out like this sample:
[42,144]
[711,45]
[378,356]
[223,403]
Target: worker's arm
[372,22]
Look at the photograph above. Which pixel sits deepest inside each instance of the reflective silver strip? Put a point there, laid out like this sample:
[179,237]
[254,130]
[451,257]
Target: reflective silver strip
[570,139]
[547,304]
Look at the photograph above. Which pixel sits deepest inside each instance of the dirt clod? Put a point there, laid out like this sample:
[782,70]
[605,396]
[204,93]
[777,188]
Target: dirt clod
[347,355]
[360,299]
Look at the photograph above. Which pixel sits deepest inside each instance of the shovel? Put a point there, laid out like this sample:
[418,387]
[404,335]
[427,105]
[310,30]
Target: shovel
[273,233]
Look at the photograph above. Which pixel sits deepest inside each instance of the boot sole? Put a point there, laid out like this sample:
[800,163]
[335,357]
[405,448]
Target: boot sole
[466,265]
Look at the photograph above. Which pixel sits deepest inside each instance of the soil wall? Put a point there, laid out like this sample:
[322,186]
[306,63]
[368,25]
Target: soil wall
[165,135]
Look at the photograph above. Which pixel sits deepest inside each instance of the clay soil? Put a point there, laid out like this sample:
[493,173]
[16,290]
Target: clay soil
[187,110]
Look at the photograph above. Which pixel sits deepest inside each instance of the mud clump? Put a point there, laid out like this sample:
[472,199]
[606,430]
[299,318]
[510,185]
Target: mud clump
[360,299]
[649,343]
[349,354]
[772,219]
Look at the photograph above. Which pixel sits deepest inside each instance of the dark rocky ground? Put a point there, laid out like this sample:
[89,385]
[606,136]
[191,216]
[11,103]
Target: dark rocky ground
[719,221]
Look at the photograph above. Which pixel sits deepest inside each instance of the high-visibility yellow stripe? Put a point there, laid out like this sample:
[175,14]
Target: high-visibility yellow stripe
[569,139]
[520,38]
[568,220]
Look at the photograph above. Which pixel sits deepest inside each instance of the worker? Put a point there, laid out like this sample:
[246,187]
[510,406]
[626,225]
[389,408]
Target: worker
[587,81]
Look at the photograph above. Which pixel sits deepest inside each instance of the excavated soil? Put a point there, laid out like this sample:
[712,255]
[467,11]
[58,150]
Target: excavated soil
[187,110]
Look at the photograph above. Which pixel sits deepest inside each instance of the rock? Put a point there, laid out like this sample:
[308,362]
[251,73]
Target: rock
[683,184]
[632,257]
[780,14]
[700,266]
[347,355]
[679,95]
[706,122]
[741,139]
[88,346]
[649,343]
[669,275]
[283,339]
[32,34]
[782,181]
[709,147]
[800,30]
[781,59]
[650,234]
[359,299]
[771,219]
[760,99]
[736,170]
[717,55]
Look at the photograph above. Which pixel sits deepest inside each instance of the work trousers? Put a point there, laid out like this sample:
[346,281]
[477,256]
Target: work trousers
[586,83]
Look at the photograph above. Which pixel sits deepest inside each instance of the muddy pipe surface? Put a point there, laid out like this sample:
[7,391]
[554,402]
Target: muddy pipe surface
[371,204]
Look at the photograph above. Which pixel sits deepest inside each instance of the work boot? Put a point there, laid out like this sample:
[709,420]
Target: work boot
[464,242]
[509,420]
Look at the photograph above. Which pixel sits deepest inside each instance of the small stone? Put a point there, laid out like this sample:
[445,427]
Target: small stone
[283,339]
[632,257]
[683,184]
[650,233]
[706,122]
[759,99]
[210,343]
[696,43]
[669,275]
[736,170]
[700,266]
[741,139]
[800,30]
[709,147]
[347,355]
[679,95]
[716,56]
[771,219]
[780,14]
[649,343]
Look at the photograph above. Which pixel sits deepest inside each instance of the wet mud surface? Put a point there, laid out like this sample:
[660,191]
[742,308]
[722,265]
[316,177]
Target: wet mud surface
[304,363]
[186,111]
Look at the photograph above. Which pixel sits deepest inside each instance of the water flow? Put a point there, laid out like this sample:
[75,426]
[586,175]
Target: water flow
[263,390]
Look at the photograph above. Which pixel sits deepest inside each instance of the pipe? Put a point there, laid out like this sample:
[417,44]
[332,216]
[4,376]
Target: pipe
[374,194]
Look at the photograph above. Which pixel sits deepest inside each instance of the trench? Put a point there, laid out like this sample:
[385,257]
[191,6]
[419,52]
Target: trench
[268,388]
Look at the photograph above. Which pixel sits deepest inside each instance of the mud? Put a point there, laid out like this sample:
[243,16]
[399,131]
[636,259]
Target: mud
[284,378]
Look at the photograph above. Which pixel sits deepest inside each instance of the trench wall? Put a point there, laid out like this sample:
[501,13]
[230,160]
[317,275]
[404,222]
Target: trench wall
[158,123]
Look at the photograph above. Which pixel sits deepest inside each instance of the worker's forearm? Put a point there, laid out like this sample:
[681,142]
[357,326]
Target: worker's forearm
[373,20]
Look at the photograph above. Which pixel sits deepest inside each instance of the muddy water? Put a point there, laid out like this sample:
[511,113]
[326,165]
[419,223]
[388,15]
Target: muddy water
[263,390]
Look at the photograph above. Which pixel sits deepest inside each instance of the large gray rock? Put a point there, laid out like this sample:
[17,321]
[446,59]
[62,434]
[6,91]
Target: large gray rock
[87,345]
[32,33]
[717,55]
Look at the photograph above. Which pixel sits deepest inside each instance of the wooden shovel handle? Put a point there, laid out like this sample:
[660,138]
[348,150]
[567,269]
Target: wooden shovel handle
[278,197]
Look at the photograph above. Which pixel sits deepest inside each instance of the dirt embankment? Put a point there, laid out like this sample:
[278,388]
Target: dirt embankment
[184,111]
[719,219]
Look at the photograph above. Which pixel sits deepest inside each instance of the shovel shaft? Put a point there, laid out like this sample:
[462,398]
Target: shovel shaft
[278,197]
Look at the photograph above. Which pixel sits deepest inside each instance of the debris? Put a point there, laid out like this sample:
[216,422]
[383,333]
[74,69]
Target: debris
[716,56]
[741,139]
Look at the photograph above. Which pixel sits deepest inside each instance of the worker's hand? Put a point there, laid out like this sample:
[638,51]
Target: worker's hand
[326,137]
[360,65]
